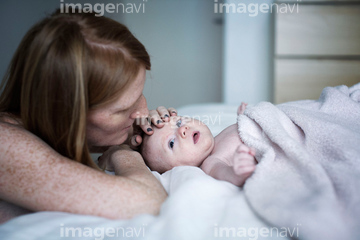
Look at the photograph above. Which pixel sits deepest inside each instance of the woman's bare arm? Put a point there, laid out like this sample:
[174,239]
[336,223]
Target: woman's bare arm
[34,176]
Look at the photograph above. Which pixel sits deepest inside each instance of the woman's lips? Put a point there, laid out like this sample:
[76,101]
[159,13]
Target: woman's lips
[196,136]
[127,128]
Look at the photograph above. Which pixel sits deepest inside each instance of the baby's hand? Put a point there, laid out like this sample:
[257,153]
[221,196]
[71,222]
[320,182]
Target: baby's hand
[241,108]
[244,163]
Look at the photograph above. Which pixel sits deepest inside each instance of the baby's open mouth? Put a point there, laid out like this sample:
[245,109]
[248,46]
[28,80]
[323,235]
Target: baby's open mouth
[196,136]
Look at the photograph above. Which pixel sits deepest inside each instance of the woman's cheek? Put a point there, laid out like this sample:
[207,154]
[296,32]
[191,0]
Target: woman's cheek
[115,122]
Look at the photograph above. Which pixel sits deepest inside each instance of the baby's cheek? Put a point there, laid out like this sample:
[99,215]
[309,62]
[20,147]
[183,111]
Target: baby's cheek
[209,145]
[193,158]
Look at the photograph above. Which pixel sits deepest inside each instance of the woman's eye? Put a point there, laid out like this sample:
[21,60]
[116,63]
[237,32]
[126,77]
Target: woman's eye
[178,123]
[171,143]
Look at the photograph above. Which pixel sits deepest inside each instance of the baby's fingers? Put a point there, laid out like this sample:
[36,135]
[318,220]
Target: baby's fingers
[244,159]
[252,151]
[245,149]
[244,170]
[241,108]
[244,165]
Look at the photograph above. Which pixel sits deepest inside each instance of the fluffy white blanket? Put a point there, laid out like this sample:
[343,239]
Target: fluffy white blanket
[308,174]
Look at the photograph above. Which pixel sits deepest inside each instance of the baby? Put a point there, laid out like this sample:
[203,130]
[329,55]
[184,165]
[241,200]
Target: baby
[186,141]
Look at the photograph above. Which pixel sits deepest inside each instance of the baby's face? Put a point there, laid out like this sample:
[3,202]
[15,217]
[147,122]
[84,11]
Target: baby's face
[182,141]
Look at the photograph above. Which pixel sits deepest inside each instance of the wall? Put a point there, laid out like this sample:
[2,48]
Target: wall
[16,17]
[184,39]
[248,55]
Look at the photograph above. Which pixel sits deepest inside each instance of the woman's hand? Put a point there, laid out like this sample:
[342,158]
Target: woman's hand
[125,162]
[156,117]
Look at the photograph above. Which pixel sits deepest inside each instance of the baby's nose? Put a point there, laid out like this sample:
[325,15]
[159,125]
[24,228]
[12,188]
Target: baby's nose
[183,131]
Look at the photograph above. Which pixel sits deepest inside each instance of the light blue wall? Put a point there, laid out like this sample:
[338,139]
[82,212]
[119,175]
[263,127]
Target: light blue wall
[16,17]
[248,55]
[183,38]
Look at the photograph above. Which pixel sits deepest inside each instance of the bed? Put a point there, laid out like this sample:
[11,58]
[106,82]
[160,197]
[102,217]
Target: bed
[306,185]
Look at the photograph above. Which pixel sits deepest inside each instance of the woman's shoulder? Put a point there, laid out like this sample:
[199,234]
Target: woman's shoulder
[11,126]
[14,136]
[8,119]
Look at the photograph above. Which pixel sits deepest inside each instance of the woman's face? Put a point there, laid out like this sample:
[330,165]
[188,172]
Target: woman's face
[110,125]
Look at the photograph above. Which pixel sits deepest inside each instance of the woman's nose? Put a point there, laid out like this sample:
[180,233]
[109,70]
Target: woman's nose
[183,131]
[140,110]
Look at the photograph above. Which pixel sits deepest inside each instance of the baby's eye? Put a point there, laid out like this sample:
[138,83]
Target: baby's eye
[178,123]
[171,143]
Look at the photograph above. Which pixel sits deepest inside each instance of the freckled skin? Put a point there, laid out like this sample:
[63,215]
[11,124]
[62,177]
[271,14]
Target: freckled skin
[34,176]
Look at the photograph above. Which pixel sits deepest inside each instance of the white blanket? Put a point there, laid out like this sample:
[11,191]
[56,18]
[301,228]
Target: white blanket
[309,163]
[198,207]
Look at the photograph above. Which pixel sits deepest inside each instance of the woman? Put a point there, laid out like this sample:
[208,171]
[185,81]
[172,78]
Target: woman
[74,86]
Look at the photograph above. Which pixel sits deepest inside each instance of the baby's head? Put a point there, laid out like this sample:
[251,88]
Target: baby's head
[182,141]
